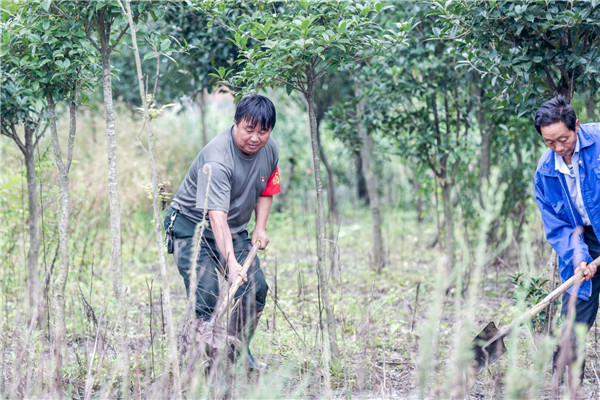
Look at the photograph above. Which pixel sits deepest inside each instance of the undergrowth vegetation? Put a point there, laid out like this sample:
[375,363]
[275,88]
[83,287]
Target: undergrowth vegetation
[404,332]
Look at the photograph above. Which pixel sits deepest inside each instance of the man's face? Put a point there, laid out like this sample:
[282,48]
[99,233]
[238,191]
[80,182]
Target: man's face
[250,137]
[560,139]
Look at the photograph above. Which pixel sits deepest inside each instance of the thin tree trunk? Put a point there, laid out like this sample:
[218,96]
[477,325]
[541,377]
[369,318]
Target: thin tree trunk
[320,224]
[485,160]
[202,105]
[33,267]
[449,222]
[113,192]
[28,150]
[113,185]
[418,198]
[590,107]
[331,199]
[63,232]
[282,204]
[366,152]
[93,126]
[172,344]
[290,176]
[332,216]
[361,185]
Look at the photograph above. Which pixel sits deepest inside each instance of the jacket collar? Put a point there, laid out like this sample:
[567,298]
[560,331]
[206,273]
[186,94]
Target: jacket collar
[584,139]
[547,164]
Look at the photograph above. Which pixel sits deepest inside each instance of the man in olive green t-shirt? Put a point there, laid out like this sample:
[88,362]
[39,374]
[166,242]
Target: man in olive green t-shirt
[234,175]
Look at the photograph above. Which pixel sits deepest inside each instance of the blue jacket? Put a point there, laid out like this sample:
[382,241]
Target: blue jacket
[559,215]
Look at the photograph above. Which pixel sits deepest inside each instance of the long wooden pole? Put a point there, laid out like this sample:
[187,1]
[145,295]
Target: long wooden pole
[535,310]
[235,285]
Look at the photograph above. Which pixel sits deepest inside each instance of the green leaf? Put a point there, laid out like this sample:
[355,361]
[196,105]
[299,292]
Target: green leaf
[46,4]
[149,56]
[340,46]
[306,23]
[267,26]
[165,44]
[289,89]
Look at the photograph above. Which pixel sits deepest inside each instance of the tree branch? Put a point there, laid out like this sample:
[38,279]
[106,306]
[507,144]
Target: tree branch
[40,135]
[99,16]
[111,48]
[432,165]
[72,131]
[55,144]
[92,41]
[549,79]
[563,73]
[12,133]
[447,115]
[157,73]
[454,170]
[436,122]
[60,10]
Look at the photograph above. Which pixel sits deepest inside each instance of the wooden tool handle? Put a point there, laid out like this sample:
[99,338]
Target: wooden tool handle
[575,279]
[535,310]
[222,308]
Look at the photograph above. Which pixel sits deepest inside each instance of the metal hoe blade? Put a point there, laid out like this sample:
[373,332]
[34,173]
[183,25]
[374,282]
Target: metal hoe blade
[486,351]
[489,344]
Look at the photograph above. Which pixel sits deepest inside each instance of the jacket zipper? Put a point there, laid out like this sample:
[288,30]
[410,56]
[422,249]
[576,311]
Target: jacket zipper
[570,207]
[568,197]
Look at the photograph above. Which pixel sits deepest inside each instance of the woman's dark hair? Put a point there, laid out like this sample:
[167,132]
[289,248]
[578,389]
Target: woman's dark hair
[256,109]
[553,111]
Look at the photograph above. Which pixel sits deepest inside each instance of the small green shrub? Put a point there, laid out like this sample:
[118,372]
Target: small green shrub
[535,290]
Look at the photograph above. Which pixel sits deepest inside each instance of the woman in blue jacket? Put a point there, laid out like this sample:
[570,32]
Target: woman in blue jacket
[567,191]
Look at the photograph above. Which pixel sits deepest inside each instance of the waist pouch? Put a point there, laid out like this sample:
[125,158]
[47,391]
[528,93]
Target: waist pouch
[177,226]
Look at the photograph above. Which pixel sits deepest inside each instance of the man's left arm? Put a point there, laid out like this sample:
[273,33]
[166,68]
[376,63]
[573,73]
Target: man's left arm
[263,207]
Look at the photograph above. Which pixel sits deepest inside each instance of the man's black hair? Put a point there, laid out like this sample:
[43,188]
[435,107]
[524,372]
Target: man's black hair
[553,111]
[256,109]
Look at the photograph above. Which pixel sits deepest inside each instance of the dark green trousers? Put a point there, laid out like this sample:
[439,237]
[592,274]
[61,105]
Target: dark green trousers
[209,264]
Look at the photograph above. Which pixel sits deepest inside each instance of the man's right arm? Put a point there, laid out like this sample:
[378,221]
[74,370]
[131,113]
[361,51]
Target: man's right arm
[220,228]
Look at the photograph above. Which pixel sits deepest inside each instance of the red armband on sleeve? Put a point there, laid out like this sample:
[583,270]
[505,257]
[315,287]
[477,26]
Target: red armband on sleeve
[273,184]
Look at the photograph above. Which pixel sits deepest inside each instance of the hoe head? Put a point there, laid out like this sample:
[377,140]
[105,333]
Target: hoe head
[487,350]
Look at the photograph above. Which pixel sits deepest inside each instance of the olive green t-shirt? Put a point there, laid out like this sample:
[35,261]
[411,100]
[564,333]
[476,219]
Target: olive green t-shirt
[225,179]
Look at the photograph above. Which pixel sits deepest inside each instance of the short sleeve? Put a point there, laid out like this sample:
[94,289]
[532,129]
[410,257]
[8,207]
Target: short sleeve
[273,184]
[217,179]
